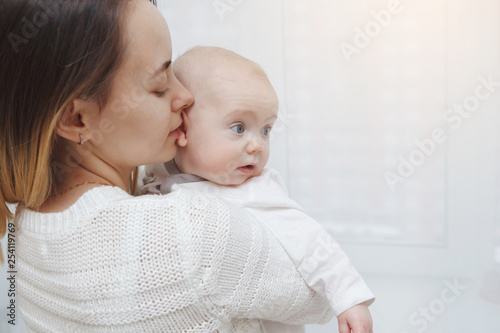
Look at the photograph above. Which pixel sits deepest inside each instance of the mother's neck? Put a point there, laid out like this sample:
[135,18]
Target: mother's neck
[73,165]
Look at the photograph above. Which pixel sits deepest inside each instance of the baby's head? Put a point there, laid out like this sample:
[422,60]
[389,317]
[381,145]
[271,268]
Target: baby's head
[228,126]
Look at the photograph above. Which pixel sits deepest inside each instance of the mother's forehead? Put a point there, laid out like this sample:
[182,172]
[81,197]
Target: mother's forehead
[146,35]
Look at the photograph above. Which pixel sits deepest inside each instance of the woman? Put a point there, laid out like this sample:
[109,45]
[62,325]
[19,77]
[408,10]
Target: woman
[90,96]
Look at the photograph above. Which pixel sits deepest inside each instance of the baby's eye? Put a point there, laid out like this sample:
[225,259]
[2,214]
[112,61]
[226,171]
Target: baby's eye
[265,131]
[238,129]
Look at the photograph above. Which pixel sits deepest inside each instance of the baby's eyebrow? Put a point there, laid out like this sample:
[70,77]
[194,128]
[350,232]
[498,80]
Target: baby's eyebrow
[272,118]
[240,113]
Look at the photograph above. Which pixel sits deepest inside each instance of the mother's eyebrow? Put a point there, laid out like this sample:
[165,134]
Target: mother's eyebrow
[162,68]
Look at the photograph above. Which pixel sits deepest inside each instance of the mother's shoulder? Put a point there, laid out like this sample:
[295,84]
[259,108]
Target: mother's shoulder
[181,200]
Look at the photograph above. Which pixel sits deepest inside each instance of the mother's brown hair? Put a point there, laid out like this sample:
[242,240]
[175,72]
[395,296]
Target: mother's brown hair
[51,52]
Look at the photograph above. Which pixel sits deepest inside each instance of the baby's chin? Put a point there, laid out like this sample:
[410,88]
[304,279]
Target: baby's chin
[228,180]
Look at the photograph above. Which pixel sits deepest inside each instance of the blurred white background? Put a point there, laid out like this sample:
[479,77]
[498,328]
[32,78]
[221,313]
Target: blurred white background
[388,135]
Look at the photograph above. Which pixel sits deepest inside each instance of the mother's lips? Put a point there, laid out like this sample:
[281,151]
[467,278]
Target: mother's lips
[176,133]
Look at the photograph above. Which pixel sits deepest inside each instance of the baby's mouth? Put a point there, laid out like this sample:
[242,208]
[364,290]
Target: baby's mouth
[247,169]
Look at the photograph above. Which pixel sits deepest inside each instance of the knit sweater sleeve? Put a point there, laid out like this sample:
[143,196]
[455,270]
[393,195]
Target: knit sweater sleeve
[237,268]
[257,279]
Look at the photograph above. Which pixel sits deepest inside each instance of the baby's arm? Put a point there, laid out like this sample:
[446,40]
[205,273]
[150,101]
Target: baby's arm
[259,280]
[319,259]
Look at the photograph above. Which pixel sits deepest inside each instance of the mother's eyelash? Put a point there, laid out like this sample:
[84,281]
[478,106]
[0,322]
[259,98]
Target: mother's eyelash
[162,93]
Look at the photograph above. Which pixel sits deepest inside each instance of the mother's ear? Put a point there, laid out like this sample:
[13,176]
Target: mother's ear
[73,122]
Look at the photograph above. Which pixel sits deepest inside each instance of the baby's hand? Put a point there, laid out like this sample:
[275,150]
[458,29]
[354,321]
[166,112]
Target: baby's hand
[356,319]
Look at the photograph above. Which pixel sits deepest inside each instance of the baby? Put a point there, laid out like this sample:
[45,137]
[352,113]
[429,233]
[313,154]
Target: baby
[223,150]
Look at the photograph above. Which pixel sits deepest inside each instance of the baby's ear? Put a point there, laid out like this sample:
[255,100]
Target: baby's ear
[182,140]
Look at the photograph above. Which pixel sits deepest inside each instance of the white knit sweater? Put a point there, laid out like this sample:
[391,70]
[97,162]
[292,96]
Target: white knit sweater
[185,262]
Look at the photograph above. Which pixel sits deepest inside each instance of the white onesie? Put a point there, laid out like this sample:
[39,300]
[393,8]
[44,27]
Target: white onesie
[318,257]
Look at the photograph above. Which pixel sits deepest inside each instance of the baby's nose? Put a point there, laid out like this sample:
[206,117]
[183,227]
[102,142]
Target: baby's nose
[254,145]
